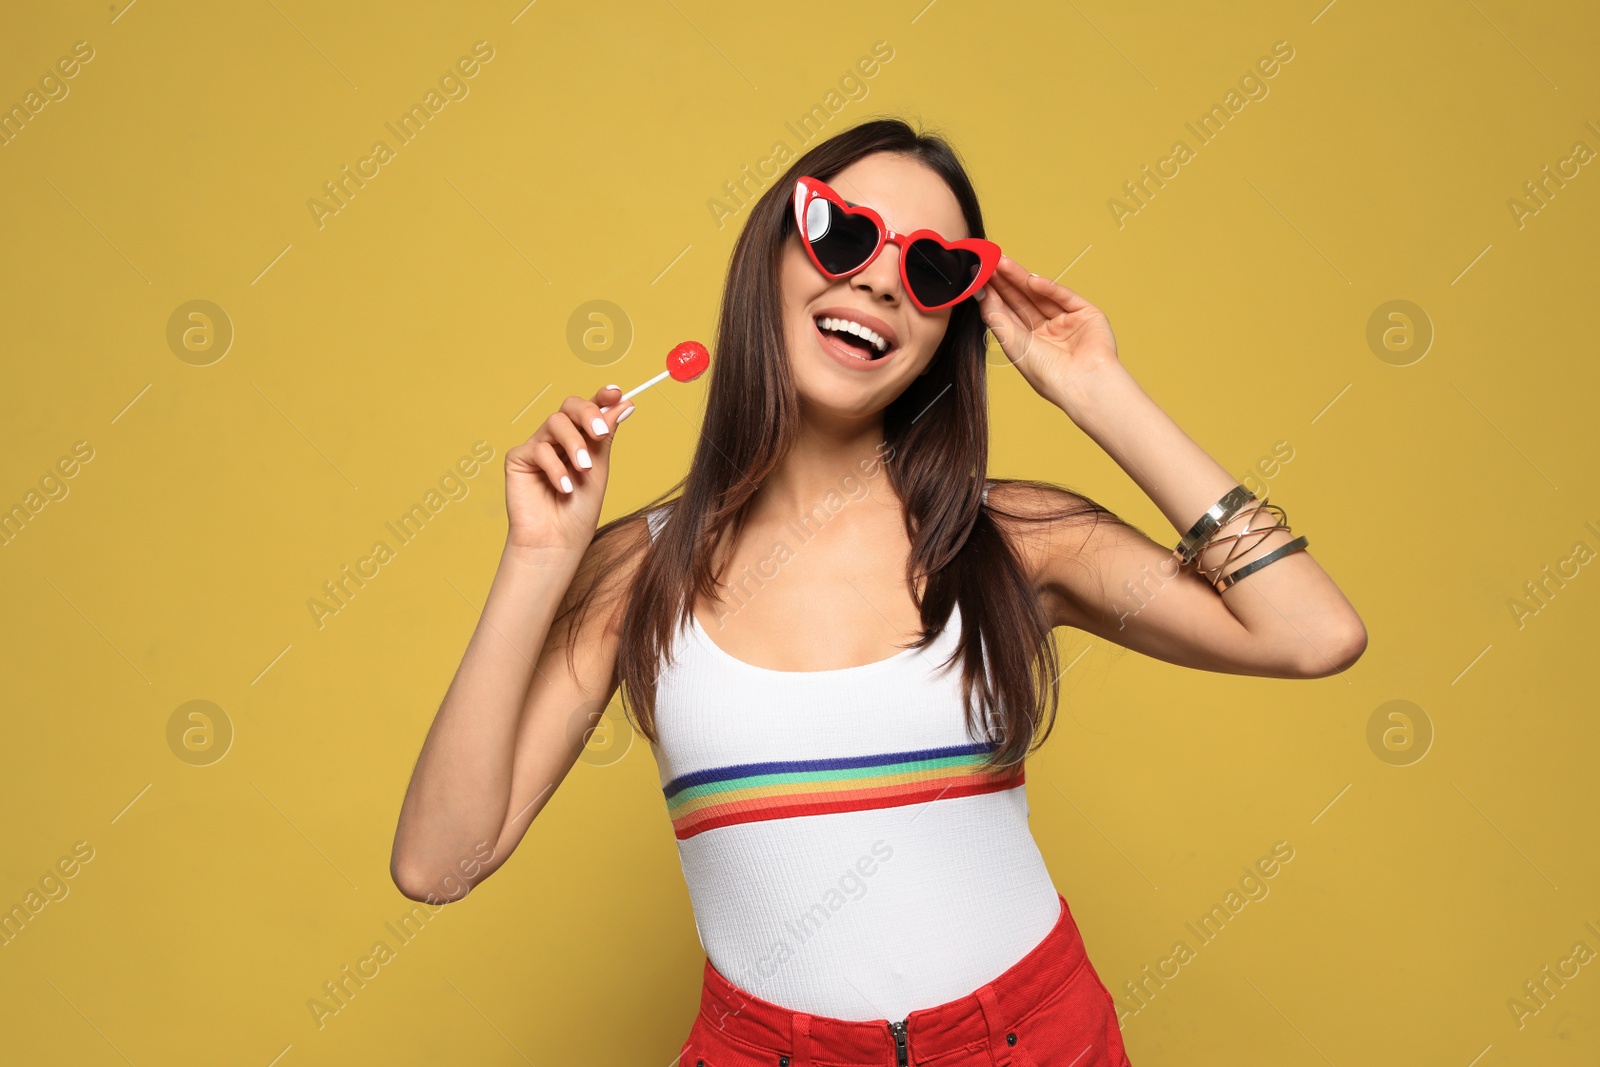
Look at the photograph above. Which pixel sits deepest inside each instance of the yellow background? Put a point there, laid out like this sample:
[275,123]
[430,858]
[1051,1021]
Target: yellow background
[370,353]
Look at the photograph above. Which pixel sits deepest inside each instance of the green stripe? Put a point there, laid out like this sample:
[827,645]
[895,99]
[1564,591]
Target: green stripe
[844,774]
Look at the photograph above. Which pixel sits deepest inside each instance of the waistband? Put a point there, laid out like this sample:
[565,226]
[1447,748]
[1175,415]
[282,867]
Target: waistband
[986,1013]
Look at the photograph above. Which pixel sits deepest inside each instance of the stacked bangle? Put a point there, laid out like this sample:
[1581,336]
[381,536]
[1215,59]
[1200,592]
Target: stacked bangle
[1205,532]
[1207,525]
[1256,564]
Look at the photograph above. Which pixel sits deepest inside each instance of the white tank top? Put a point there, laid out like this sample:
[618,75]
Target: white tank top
[845,856]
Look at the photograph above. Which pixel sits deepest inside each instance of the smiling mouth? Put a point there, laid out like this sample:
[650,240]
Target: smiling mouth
[852,339]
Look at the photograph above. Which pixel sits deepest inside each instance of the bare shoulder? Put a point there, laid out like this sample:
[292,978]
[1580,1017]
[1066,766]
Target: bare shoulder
[1046,524]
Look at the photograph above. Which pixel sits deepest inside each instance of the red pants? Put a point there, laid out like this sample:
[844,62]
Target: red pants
[1050,1009]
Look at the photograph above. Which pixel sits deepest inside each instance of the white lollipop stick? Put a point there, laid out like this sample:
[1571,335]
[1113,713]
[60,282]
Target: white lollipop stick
[631,393]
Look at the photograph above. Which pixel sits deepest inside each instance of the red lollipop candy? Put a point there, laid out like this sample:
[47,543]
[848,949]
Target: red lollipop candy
[685,363]
[688,361]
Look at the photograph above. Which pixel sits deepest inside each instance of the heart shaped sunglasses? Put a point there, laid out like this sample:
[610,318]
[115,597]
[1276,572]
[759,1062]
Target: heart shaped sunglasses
[842,238]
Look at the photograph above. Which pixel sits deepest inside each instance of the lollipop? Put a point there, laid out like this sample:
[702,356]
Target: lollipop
[685,363]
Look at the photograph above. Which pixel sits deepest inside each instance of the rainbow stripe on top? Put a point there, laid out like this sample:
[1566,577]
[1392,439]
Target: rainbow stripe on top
[753,792]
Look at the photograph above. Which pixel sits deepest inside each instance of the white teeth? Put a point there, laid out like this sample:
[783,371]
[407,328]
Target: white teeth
[847,326]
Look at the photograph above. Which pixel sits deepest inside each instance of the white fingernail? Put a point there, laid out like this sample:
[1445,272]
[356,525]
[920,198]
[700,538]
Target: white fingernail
[600,427]
[624,416]
[616,387]
[566,484]
[583,459]
[983,293]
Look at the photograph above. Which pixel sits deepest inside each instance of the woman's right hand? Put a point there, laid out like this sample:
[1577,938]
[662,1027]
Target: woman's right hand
[556,479]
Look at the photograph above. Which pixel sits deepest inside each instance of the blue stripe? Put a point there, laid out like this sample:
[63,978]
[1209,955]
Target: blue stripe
[743,770]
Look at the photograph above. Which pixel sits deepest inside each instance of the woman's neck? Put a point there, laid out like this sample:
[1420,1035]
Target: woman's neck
[846,460]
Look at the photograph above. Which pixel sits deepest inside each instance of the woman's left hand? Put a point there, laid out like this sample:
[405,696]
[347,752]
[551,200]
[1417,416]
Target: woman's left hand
[1050,333]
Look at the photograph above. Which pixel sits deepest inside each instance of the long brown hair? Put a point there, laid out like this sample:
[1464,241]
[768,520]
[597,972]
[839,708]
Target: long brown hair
[936,467]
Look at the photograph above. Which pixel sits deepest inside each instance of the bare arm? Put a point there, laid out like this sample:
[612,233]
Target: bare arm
[1109,579]
[1287,620]
[501,740]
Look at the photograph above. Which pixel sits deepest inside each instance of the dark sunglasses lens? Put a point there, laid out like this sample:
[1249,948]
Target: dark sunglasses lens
[840,242]
[938,274]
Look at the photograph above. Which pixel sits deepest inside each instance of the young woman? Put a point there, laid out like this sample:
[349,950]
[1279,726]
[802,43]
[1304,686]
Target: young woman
[838,636]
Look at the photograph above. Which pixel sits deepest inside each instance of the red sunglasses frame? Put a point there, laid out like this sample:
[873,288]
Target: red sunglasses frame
[807,190]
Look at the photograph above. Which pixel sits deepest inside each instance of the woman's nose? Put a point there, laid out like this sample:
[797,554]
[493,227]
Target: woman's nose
[881,277]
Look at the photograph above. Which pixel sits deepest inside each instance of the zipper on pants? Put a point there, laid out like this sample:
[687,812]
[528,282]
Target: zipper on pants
[902,1055]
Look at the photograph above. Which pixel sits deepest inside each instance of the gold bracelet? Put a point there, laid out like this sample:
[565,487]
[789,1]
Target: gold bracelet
[1212,573]
[1217,537]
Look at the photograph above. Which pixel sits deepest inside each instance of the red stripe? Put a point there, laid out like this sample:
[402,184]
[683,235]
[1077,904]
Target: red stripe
[857,800]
